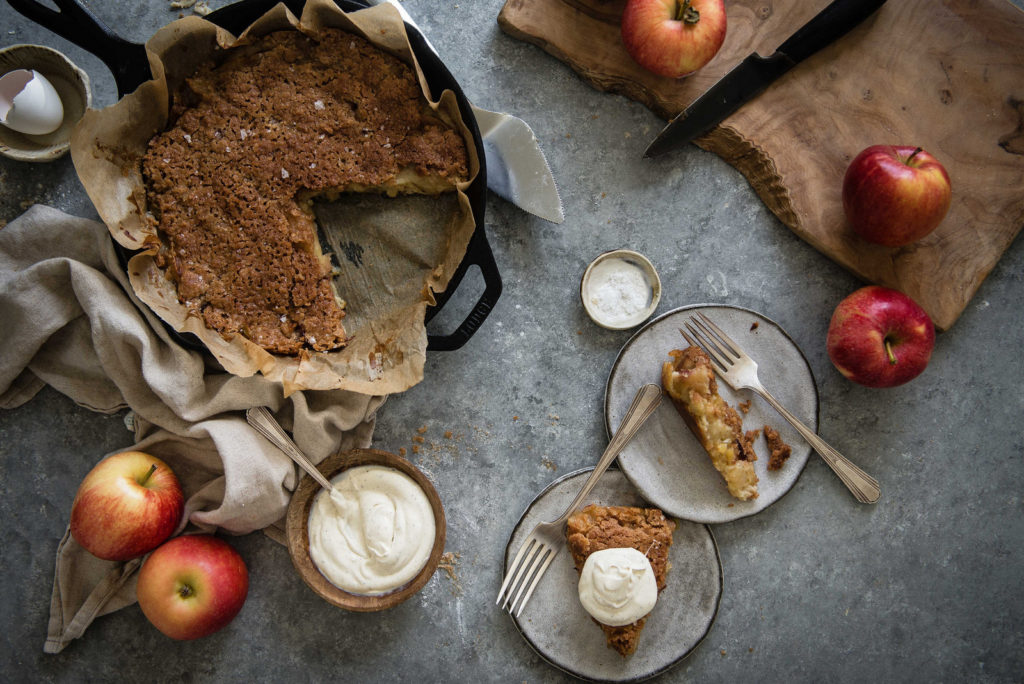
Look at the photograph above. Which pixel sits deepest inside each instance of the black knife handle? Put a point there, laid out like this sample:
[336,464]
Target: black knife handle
[827,26]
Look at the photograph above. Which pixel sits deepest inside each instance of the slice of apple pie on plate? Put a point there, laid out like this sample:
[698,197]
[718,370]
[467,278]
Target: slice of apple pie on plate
[670,466]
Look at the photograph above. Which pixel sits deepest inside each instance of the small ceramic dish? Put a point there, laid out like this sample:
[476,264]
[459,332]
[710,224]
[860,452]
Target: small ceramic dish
[620,289]
[72,86]
[297,530]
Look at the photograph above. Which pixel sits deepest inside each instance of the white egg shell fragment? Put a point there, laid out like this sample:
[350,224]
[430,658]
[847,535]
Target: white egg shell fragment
[29,103]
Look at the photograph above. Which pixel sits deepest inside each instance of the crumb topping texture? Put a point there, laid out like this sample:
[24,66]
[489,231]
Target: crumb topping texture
[604,527]
[249,143]
[777,447]
[690,381]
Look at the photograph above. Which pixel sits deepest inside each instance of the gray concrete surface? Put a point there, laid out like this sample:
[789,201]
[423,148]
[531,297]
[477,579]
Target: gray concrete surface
[924,586]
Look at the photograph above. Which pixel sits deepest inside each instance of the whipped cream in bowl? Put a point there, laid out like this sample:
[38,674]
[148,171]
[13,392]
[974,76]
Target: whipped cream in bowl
[373,532]
[374,539]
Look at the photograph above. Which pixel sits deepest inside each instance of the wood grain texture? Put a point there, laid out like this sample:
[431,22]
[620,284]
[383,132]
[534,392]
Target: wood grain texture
[947,76]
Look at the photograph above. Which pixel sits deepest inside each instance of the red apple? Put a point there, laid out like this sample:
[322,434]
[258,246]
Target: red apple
[192,586]
[894,195]
[673,37]
[126,506]
[880,337]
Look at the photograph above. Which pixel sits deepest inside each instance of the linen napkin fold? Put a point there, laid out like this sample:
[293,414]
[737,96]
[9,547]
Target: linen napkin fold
[71,321]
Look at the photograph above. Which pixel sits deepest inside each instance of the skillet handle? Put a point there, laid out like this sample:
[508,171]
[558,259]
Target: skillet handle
[479,253]
[126,60]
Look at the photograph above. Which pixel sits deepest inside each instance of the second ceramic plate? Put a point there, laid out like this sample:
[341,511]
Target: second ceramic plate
[554,623]
[665,462]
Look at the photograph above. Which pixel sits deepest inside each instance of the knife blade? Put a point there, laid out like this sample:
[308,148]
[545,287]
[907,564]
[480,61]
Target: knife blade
[755,73]
[517,169]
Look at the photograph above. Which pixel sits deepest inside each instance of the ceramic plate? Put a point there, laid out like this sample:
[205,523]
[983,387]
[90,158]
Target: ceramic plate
[665,461]
[555,624]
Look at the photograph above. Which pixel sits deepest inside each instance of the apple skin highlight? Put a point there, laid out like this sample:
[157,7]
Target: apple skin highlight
[659,39]
[895,195]
[880,337]
[192,586]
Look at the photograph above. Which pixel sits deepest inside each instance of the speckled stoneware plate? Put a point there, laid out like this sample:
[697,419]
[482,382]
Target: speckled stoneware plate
[665,461]
[554,623]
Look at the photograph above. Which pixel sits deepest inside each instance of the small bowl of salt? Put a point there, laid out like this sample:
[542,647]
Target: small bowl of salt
[620,289]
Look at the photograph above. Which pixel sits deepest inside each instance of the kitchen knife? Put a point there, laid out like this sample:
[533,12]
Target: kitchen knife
[516,167]
[755,73]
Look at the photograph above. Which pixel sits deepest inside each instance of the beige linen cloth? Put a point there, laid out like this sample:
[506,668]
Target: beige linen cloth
[71,321]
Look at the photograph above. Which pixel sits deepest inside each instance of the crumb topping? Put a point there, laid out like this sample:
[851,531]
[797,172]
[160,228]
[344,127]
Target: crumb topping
[250,142]
[778,448]
[603,527]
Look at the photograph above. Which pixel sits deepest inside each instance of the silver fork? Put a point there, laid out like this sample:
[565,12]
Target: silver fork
[547,538]
[740,372]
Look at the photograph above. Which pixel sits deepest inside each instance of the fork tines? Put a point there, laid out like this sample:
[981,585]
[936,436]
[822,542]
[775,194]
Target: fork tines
[709,337]
[523,575]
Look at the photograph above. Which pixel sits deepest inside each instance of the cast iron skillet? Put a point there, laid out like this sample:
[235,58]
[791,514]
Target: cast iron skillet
[128,62]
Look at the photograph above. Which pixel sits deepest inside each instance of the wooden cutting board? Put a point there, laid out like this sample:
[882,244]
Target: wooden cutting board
[947,76]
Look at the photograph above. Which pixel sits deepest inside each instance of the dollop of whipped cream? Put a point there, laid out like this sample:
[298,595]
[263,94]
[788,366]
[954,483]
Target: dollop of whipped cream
[617,586]
[373,532]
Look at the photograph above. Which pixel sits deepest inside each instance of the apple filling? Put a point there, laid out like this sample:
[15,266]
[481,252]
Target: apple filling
[690,382]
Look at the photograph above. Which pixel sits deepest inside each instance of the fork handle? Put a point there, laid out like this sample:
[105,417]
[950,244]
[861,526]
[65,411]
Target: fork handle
[265,424]
[646,400]
[864,487]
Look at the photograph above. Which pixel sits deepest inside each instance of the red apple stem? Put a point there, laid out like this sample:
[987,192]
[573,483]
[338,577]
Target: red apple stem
[913,154]
[889,352]
[145,478]
[686,12]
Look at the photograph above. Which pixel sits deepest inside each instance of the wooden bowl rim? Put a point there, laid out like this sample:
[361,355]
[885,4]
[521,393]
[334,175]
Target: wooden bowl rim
[297,531]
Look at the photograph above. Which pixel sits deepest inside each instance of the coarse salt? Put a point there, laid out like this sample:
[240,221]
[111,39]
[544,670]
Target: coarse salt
[618,291]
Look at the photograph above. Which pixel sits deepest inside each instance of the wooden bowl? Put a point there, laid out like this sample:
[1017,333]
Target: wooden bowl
[297,529]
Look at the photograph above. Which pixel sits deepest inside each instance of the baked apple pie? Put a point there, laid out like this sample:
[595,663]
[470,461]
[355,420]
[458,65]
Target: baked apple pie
[690,382]
[644,531]
[251,142]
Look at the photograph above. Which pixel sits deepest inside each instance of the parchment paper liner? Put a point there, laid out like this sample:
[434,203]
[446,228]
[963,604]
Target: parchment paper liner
[387,349]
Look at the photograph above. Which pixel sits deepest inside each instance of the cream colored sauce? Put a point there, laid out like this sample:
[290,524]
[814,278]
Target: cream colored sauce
[373,532]
[617,586]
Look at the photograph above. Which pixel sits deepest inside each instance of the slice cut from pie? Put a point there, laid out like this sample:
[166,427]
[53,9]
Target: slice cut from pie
[603,527]
[690,381]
